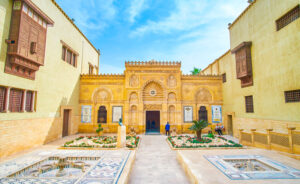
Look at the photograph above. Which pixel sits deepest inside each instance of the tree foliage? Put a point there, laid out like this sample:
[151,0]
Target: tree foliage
[198,126]
[196,71]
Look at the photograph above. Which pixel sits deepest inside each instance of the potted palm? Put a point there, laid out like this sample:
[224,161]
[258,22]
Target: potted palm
[198,126]
[99,129]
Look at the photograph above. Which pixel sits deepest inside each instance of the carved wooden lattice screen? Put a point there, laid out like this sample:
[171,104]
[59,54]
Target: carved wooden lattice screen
[28,106]
[15,100]
[2,99]
[288,18]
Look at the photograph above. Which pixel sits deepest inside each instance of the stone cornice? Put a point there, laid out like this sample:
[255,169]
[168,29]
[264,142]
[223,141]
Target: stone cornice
[102,76]
[197,77]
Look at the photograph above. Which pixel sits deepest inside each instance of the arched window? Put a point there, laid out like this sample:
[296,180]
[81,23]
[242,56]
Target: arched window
[102,114]
[202,113]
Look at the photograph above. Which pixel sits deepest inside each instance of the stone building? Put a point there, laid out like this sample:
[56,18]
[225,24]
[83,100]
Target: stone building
[147,96]
[42,56]
[261,78]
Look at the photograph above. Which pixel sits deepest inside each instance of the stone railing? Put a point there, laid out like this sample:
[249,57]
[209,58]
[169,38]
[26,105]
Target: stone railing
[287,142]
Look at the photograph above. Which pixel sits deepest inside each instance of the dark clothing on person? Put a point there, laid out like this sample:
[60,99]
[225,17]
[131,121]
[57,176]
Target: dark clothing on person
[167,128]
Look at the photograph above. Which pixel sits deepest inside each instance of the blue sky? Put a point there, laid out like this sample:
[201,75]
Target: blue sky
[194,32]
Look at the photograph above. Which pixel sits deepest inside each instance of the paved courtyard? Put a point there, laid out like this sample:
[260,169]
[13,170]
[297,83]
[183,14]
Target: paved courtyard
[156,163]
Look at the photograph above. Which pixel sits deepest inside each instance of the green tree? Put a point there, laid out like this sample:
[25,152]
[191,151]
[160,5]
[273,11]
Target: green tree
[196,71]
[198,126]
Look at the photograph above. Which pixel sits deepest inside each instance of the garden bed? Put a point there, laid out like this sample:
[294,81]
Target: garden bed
[106,142]
[190,142]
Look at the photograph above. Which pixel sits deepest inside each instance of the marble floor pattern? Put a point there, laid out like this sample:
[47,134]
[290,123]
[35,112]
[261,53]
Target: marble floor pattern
[156,163]
[106,170]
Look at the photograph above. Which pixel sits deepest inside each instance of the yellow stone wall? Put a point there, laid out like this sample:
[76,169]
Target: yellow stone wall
[275,64]
[56,83]
[131,91]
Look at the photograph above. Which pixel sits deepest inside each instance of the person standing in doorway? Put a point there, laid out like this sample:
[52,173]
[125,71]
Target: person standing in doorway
[167,128]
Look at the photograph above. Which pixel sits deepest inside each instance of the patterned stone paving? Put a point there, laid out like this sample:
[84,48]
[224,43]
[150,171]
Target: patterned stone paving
[282,171]
[107,169]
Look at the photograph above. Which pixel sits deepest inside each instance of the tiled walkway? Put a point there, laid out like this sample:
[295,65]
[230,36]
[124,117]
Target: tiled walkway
[156,163]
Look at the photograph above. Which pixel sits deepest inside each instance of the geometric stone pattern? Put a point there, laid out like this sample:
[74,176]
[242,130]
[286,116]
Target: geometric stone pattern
[107,169]
[283,171]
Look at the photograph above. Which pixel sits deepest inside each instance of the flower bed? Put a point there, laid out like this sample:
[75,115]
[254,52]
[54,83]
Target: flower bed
[188,141]
[100,142]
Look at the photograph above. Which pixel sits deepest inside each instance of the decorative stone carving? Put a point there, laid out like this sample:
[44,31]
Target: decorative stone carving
[101,95]
[172,81]
[203,95]
[152,106]
[133,81]
[133,97]
[174,131]
[171,97]
[132,132]
[153,92]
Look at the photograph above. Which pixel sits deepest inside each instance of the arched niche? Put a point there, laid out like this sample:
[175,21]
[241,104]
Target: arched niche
[133,98]
[202,113]
[102,114]
[171,97]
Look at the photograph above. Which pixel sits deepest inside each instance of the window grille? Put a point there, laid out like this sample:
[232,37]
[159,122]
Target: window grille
[292,96]
[289,17]
[249,104]
[2,98]
[28,105]
[15,100]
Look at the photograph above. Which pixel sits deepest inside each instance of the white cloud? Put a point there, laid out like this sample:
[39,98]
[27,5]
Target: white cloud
[135,9]
[191,14]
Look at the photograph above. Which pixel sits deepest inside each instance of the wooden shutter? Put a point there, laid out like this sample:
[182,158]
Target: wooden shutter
[2,98]
[15,100]
[289,17]
[28,103]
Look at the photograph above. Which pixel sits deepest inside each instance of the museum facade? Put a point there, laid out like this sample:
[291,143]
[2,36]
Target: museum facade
[147,96]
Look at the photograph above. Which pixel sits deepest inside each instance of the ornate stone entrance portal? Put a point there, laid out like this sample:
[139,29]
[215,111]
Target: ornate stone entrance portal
[147,96]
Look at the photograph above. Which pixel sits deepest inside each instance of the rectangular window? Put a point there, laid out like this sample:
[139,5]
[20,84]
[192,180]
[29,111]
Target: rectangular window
[69,56]
[15,100]
[2,98]
[74,60]
[63,53]
[224,77]
[249,104]
[25,8]
[292,96]
[91,68]
[28,102]
[289,17]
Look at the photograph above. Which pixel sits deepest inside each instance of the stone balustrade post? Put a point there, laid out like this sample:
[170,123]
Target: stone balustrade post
[252,136]
[240,135]
[269,137]
[290,130]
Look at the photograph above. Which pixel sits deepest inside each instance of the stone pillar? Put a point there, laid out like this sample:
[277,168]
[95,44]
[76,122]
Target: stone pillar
[6,108]
[121,139]
[252,135]
[269,137]
[24,101]
[291,129]
[240,135]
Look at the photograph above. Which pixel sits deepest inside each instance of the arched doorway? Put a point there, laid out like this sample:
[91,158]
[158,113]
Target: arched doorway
[202,113]
[153,96]
[102,114]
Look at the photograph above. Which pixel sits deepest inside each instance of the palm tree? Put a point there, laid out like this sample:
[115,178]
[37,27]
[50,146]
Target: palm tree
[196,71]
[198,126]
